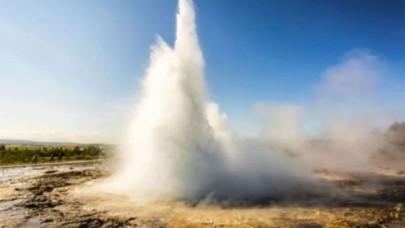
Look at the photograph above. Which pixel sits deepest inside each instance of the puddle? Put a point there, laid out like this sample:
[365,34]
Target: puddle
[10,216]
[13,175]
[11,178]
[7,204]
[36,222]
[32,222]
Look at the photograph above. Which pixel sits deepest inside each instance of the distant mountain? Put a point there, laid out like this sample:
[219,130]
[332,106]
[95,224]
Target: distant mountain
[30,142]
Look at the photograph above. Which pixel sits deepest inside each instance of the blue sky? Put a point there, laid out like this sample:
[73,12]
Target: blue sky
[69,69]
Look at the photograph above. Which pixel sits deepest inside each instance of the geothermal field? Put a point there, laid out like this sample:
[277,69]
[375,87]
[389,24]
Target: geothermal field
[180,164]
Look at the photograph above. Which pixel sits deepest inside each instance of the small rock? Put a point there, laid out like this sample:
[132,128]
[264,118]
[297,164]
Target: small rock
[83,225]
[48,189]
[50,171]
[40,198]
[399,207]
[31,205]
[130,219]
[46,220]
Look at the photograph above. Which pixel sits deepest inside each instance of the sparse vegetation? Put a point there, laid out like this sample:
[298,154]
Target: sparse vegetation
[20,154]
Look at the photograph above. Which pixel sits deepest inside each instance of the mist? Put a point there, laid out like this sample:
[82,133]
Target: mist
[344,128]
[179,145]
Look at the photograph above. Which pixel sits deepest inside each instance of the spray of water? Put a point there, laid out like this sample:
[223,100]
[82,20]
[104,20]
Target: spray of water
[179,145]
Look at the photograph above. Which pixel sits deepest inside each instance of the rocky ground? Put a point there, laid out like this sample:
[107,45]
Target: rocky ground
[48,198]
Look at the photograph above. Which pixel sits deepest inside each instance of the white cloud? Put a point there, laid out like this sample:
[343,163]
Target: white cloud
[355,77]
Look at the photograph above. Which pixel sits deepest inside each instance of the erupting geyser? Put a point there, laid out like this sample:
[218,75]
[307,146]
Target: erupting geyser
[179,146]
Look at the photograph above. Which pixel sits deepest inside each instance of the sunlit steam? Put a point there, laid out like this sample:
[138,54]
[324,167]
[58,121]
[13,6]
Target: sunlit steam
[179,145]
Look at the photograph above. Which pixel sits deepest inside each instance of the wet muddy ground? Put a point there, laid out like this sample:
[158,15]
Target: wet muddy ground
[47,197]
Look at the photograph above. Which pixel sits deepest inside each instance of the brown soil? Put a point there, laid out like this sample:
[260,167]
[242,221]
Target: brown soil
[374,199]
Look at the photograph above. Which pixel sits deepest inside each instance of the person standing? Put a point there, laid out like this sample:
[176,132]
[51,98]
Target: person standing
[60,155]
[35,159]
[52,159]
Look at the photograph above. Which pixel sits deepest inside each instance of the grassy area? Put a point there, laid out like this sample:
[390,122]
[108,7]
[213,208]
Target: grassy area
[22,154]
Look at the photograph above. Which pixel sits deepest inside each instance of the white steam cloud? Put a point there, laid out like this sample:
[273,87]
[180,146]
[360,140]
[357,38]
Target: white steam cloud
[349,126]
[355,77]
[180,147]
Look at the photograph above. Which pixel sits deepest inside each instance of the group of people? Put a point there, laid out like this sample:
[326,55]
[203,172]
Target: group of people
[51,159]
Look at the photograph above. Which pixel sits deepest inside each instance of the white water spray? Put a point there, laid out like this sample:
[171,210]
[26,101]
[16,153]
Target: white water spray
[179,146]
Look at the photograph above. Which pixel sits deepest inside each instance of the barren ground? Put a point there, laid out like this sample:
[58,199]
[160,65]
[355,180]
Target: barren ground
[47,197]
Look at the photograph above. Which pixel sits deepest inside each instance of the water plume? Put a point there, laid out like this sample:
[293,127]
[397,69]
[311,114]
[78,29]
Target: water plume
[179,145]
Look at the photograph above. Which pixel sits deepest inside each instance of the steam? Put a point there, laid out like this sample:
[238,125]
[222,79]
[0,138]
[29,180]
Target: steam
[179,145]
[342,129]
[354,78]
